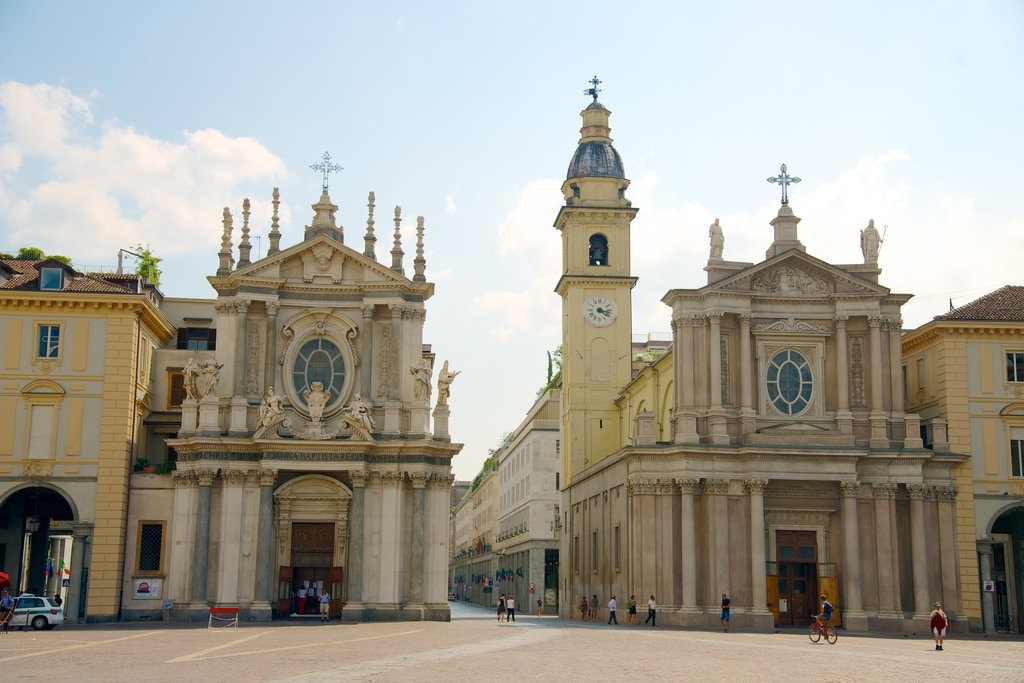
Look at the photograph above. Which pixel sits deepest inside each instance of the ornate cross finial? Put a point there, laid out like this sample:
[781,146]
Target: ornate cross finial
[785,180]
[593,89]
[325,167]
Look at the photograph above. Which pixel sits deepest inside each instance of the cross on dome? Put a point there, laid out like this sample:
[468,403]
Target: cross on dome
[785,180]
[325,167]
[593,89]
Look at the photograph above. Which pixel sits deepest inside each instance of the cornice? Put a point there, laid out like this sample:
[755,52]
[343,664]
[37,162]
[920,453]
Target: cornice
[70,301]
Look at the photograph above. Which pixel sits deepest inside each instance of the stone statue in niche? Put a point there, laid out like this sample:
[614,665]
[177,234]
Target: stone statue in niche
[189,374]
[421,372]
[204,376]
[717,239]
[444,382]
[316,399]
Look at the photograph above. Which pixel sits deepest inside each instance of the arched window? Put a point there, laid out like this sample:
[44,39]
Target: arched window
[598,250]
[790,384]
[319,360]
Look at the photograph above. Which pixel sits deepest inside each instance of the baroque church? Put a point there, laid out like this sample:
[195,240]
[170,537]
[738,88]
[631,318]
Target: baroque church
[308,458]
[767,455]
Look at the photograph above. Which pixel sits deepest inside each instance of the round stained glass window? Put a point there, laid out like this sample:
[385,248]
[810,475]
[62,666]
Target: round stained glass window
[789,382]
[319,360]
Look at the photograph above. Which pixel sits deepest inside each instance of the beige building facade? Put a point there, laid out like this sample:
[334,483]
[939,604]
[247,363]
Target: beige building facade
[767,454]
[964,374]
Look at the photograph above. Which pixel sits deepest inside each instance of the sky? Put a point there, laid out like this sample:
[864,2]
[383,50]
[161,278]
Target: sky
[127,123]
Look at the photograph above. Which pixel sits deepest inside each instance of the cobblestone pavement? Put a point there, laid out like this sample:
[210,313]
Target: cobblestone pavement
[474,646]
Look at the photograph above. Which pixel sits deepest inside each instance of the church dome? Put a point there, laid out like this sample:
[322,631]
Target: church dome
[596,158]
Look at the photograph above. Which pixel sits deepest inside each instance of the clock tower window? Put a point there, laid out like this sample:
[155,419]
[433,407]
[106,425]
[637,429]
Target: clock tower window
[598,250]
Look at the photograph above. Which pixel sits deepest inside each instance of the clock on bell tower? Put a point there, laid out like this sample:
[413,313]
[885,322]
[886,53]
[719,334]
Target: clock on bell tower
[595,288]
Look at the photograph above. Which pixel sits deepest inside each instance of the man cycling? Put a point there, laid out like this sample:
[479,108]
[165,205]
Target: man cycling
[825,616]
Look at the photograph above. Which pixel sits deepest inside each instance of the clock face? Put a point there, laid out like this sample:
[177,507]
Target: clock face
[599,311]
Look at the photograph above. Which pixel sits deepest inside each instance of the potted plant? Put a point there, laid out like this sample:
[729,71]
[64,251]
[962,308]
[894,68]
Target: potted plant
[143,465]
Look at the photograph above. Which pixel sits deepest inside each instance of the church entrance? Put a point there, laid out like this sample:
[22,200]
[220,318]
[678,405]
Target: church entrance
[797,554]
[312,550]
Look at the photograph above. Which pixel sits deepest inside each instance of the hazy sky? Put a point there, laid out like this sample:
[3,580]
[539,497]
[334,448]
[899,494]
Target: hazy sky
[128,122]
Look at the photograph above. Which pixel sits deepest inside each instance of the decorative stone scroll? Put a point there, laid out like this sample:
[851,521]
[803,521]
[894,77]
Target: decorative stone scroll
[791,326]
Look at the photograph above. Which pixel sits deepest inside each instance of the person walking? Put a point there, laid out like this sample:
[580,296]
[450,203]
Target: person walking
[726,602]
[301,597]
[594,604]
[938,622]
[652,612]
[501,607]
[325,606]
[611,611]
[510,609]
[584,608]
[631,607]
[540,606]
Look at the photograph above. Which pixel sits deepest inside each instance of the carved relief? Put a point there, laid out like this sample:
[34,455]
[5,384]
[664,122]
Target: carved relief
[787,280]
[36,469]
[724,342]
[386,348]
[792,326]
[252,360]
[857,372]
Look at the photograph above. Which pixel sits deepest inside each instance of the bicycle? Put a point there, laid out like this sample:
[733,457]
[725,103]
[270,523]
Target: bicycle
[819,629]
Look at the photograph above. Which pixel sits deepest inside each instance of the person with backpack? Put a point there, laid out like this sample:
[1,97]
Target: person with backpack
[825,616]
[938,622]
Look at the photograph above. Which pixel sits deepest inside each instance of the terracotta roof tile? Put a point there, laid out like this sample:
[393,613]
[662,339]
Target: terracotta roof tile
[93,283]
[1006,304]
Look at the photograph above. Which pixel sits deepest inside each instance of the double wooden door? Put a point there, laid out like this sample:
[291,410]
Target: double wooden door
[797,555]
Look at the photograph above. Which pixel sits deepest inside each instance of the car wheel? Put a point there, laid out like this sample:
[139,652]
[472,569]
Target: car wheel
[39,622]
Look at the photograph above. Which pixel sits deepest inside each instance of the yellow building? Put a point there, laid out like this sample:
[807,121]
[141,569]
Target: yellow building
[74,388]
[964,374]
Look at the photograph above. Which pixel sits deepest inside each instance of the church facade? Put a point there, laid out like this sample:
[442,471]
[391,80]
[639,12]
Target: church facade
[767,455]
[308,458]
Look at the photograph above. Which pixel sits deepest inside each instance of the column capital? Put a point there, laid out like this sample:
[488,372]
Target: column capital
[688,486]
[183,479]
[396,311]
[204,476]
[716,487]
[755,486]
[917,491]
[715,317]
[895,323]
[367,311]
[440,481]
[849,488]
[267,477]
[273,307]
[358,478]
[840,320]
[874,321]
[233,477]
[746,319]
[418,479]
[883,490]
[947,493]
[392,478]
[242,306]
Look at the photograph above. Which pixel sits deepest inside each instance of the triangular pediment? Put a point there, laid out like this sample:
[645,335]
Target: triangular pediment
[796,274]
[324,261]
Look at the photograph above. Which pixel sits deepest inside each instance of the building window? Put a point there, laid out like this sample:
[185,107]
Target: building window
[1015,366]
[576,554]
[319,360]
[197,338]
[1017,457]
[51,279]
[151,548]
[789,382]
[41,431]
[618,546]
[49,341]
[593,551]
[175,387]
[598,250]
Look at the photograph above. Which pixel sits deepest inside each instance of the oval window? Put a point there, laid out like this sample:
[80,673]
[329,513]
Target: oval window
[319,360]
[789,381]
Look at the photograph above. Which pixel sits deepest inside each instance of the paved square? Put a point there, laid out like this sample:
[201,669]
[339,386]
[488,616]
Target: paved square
[474,646]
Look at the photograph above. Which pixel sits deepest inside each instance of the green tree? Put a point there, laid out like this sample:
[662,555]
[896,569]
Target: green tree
[148,264]
[554,371]
[37,254]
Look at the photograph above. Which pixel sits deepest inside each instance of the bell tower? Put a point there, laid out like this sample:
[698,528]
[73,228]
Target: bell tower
[595,288]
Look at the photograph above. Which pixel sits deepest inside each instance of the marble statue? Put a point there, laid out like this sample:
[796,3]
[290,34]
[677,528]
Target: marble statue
[717,239]
[444,382]
[270,410]
[359,411]
[205,376]
[316,400]
[189,374]
[870,242]
[421,372]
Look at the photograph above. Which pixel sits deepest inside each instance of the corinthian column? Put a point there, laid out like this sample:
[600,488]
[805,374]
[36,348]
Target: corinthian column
[747,414]
[884,494]
[879,433]
[270,361]
[851,548]
[355,552]
[416,575]
[688,543]
[366,351]
[204,477]
[758,574]
[843,415]
[918,547]
[265,537]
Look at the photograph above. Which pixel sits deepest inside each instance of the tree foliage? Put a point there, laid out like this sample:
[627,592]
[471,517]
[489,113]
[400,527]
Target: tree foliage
[35,254]
[554,371]
[148,264]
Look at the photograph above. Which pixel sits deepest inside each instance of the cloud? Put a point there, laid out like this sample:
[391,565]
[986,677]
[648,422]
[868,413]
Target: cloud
[449,205]
[111,187]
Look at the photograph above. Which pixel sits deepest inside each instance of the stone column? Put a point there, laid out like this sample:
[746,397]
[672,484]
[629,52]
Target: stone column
[366,351]
[416,574]
[716,414]
[396,367]
[843,416]
[686,422]
[895,329]
[81,535]
[204,477]
[718,534]
[230,533]
[239,405]
[355,548]
[747,414]
[758,569]
[988,601]
[265,540]
[879,433]
[270,362]
[919,548]
[851,550]
[946,513]
[688,543]
[886,585]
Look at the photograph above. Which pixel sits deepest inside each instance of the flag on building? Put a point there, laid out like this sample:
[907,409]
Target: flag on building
[49,567]
[62,569]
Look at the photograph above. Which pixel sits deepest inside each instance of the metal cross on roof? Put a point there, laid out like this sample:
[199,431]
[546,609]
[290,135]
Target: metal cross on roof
[326,167]
[785,180]
[593,89]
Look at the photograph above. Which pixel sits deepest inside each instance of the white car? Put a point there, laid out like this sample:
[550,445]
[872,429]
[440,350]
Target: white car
[39,613]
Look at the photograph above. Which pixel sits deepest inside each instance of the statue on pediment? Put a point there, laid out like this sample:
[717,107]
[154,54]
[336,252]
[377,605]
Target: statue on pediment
[717,240]
[421,372]
[870,242]
[444,383]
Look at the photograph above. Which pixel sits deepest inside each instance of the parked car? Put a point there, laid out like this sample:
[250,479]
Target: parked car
[39,613]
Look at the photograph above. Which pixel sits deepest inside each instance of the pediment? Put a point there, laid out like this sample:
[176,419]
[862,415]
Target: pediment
[320,260]
[796,274]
